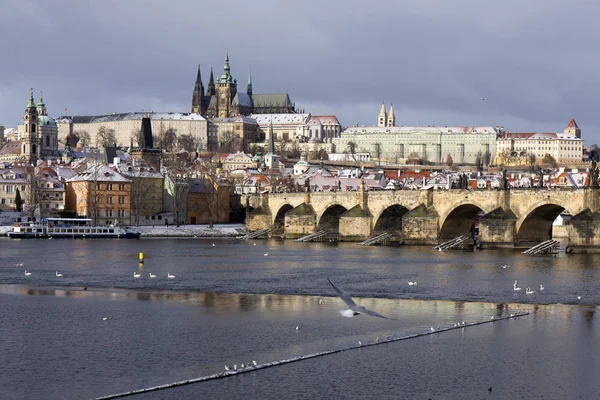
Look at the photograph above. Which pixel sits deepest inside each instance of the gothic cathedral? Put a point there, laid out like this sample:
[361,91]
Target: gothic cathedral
[223,100]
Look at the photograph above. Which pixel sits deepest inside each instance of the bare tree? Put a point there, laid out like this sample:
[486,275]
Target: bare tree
[377,147]
[167,139]
[33,196]
[229,142]
[178,187]
[449,160]
[187,142]
[352,149]
[84,138]
[141,189]
[105,137]
[211,195]
[136,137]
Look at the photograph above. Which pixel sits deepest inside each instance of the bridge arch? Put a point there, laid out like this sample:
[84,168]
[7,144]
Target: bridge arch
[330,219]
[279,220]
[390,219]
[460,220]
[536,225]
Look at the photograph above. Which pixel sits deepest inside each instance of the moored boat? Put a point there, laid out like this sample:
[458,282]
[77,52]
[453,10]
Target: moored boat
[70,228]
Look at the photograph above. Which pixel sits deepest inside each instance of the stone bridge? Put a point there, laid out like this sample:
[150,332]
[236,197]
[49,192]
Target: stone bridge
[505,217]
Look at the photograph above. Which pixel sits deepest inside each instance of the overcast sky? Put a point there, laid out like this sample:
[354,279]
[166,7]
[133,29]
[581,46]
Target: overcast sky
[535,62]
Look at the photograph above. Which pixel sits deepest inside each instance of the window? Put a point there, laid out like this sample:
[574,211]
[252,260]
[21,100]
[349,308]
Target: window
[121,200]
[121,213]
[109,213]
[109,186]
[122,186]
[109,200]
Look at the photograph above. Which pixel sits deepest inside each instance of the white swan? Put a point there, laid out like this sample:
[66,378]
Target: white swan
[57,274]
[515,288]
[412,283]
[169,275]
[19,265]
[266,254]
[27,273]
[226,368]
[542,287]
[504,266]
[152,275]
[213,245]
[136,275]
[529,291]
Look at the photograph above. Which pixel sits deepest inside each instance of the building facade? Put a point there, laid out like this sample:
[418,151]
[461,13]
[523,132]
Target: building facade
[464,145]
[223,100]
[127,125]
[522,148]
[100,193]
[233,133]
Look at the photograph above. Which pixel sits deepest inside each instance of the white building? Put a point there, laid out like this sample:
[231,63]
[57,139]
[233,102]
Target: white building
[463,144]
[126,125]
[565,148]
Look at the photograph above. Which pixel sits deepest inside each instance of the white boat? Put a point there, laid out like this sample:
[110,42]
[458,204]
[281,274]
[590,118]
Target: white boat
[70,228]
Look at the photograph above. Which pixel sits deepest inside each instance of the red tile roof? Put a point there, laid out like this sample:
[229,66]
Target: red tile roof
[572,123]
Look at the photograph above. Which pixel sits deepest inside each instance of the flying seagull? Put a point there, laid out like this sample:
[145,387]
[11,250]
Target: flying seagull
[353,308]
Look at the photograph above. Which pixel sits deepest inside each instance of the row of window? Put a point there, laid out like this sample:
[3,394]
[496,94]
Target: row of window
[112,213]
[109,199]
[110,186]
[11,188]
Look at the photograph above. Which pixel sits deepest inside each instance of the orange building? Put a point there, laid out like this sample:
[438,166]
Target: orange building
[100,193]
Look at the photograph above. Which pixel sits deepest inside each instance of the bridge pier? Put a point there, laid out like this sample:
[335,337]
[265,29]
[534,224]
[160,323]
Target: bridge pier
[355,224]
[421,225]
[497,229]
[584,232]
[300,221]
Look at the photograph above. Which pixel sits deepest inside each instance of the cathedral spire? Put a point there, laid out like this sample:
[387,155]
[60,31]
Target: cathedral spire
[199,76]
[226,77]
[210,91]
[382,118]
[249,90]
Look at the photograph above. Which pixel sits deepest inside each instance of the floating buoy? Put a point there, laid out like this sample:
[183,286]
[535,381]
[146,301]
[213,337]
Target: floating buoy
[141,258]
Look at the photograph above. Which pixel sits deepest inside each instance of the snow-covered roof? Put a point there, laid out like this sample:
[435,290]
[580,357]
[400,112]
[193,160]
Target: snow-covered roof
[265,119]
[539,136]
[133,116]
[46,120]
[422,129]
[100,173]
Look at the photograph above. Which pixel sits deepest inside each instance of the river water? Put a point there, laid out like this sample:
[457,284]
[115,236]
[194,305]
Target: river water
[229,303]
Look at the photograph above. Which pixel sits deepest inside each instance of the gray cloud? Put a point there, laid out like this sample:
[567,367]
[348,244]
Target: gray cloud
[532,61]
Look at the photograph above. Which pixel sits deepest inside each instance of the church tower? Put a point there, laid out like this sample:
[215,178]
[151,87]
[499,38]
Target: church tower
[226,91]
[573,129]
[30,145]
[198,95]
[382,120]
[391,117]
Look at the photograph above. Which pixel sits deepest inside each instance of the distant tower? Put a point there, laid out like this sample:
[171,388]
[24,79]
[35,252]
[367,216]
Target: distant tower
[382,116]
[198,94]
[573,129]
[391,121]
[249,90]
[30,142]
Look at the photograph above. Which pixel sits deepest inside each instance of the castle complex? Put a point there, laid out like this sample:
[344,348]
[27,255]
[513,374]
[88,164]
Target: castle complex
[223,100]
